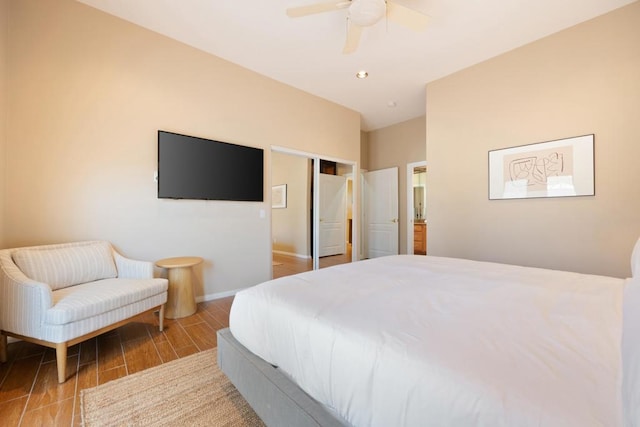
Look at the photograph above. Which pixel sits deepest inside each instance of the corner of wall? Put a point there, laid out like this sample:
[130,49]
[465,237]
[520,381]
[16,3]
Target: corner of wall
[4,30]
[364,150]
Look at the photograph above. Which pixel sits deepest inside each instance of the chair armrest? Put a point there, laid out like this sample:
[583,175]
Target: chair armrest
[23,301]
[131,268]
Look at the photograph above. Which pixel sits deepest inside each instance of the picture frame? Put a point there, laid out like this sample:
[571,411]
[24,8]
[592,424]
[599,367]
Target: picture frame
[558,168]
[279,196]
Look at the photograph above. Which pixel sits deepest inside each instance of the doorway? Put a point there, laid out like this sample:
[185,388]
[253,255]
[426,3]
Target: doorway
[417,208]
[312,230]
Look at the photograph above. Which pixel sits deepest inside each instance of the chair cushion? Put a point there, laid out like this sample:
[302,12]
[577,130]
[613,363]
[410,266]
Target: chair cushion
[91,299]
[64,266]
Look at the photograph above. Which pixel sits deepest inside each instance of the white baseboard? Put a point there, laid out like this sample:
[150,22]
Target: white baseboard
[217,295]
[292,254]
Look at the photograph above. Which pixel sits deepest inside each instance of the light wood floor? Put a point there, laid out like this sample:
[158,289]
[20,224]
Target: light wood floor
[286,265]
[29,391]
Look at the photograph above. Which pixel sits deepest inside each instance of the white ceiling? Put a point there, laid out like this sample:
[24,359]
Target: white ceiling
[306,52]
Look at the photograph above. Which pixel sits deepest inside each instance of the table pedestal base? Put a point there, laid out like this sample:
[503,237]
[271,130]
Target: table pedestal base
[180,298]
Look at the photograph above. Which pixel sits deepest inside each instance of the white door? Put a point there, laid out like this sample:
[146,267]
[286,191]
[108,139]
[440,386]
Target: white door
[381,212]
[333,215]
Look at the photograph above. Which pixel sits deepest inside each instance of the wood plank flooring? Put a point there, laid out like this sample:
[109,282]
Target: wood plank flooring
[29,391]
[286,265]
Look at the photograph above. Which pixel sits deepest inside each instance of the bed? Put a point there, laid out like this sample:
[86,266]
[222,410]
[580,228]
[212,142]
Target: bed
[414,340]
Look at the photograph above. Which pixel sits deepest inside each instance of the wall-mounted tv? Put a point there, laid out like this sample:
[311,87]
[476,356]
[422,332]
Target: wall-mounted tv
[198,168]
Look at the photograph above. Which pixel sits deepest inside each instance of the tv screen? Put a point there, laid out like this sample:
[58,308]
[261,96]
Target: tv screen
[197,168]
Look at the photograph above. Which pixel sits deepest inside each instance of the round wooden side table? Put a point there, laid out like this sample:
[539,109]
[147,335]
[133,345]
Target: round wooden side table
[180,299]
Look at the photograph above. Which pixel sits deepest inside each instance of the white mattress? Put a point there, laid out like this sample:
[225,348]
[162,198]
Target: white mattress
[414,341]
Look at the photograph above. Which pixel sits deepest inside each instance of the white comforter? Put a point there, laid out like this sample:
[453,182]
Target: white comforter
[429,341]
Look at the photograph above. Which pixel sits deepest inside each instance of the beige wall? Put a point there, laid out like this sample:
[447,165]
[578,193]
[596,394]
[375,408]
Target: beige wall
[396,146]
[4,7]
[87,93]
[291,226]
[580,81]
[364,150]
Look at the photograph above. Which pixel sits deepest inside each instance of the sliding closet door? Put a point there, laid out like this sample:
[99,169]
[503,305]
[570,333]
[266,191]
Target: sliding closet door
[333,215]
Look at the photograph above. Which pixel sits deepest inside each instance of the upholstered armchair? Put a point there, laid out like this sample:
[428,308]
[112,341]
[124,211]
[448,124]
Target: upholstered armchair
[60,295]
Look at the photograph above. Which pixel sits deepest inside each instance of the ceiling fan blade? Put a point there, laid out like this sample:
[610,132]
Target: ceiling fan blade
[296,12]
[353,38]
[409,18]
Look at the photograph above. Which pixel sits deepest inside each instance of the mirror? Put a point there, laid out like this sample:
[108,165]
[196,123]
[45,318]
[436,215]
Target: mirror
[335,213]
[291,246]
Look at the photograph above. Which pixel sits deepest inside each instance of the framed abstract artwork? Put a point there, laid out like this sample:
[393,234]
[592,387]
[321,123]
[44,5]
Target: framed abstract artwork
[560,168]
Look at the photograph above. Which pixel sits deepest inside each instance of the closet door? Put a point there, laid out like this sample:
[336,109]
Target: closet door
[333,215]
[381,212]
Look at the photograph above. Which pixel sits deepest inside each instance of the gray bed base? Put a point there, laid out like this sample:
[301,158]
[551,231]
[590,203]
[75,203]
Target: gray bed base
[275,398]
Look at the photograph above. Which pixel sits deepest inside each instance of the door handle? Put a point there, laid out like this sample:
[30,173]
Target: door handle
[394,220]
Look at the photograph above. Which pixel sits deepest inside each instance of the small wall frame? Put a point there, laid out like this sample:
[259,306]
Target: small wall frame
[559,168]
[279,196]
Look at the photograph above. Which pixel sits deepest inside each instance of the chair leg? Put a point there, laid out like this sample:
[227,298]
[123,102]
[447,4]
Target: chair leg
[61,356]
[161,317]
[3,348]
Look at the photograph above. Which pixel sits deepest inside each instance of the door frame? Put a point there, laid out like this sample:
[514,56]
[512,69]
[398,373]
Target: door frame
[316,199]
[410,205]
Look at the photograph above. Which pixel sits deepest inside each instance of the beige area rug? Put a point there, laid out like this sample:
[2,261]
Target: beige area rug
[191,391]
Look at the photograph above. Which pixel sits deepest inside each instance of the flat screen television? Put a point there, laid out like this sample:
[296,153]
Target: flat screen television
[198,168]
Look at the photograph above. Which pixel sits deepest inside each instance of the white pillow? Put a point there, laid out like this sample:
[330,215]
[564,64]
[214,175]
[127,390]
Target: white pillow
[635,260]
[60,267]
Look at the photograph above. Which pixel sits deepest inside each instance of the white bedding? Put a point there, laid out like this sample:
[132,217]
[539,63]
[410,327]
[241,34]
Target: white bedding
[429,341]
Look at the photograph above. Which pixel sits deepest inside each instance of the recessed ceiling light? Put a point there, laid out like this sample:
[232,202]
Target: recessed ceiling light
[362,74]
[392,104]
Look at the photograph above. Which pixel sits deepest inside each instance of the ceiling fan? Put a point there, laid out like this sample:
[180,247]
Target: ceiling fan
[364,13]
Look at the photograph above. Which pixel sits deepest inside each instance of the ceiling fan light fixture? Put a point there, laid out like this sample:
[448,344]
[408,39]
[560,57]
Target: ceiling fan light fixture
[362,74]
[365,13]
[362,14]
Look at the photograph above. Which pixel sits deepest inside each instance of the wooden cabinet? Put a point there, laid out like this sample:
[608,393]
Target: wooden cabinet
[420,239]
